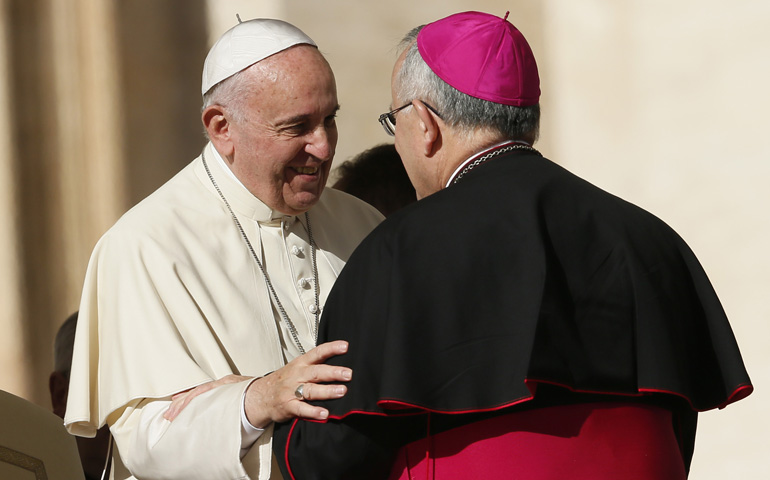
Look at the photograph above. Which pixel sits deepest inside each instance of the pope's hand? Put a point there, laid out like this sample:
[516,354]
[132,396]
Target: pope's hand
[273,399]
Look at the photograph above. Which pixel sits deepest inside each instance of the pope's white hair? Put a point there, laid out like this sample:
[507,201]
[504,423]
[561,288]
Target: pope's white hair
[231,94]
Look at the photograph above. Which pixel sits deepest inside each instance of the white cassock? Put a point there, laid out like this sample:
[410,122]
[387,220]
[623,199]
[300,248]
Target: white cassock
[173,299]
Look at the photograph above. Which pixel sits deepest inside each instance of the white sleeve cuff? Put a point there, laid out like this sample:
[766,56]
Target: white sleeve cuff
[249,433]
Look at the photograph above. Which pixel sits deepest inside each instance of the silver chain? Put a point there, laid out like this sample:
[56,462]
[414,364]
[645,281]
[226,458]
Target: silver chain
[494,153]
[279,305]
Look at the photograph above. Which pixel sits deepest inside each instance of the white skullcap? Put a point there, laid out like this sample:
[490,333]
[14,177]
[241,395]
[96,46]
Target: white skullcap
[247,43]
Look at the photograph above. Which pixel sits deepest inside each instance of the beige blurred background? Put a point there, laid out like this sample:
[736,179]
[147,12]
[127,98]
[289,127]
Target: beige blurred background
[664,103]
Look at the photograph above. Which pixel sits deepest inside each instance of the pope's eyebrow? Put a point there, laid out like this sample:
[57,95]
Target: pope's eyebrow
[297,119]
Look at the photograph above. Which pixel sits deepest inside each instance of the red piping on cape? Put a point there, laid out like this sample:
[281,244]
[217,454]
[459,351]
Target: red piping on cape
[286,450]
[741,392]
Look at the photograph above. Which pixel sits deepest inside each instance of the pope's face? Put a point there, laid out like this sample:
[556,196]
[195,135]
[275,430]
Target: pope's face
[283,148]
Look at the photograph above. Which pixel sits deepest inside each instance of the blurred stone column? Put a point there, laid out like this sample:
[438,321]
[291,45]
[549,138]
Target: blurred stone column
[62,164]
[100,105]
[11,351]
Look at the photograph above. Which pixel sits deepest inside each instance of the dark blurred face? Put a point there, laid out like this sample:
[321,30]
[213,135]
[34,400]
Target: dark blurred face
[284,147]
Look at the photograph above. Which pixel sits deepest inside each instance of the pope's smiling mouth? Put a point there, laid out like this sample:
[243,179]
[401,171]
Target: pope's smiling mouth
[305,170]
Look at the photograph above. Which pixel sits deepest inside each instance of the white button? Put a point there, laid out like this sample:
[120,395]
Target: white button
[297,251]
[313,308]
[303,283]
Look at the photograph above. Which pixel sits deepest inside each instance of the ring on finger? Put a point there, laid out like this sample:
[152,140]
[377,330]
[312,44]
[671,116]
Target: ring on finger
[299,392]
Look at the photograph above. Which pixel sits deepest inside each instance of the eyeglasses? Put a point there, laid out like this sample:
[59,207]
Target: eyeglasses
[388,120]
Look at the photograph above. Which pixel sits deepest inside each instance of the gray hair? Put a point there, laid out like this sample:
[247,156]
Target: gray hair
[416,81]
[230,93]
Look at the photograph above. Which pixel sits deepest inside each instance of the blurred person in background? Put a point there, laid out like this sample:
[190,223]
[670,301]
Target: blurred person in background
[377,177]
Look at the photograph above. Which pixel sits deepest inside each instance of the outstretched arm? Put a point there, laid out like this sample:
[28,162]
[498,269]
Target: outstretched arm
[206,419]
[272,398]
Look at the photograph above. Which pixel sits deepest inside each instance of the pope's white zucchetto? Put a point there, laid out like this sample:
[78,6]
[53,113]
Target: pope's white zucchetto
[246,44]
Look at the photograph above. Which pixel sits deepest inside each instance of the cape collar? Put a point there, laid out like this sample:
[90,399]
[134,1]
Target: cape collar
[478,157]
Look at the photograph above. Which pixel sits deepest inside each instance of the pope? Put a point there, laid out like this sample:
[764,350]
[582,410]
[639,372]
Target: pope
[200,308]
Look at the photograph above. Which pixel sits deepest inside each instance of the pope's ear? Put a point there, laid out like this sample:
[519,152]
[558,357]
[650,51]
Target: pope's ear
[430,131]
[217,126]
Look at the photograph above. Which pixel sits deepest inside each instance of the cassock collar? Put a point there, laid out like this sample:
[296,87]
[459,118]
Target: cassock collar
[237,195]
[479,154]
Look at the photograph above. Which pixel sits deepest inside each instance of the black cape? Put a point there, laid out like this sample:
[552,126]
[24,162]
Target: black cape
[520,277]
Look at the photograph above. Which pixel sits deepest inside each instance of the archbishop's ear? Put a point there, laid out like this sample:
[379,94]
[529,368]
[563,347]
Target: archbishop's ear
[217,125]
[431,133]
